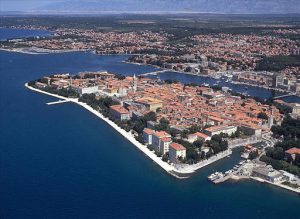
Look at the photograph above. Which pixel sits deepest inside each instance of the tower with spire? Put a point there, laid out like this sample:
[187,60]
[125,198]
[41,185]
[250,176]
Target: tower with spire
[134,83]
[271,119]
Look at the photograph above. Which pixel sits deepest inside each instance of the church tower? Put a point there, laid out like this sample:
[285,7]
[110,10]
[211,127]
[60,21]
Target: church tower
[134,83]
[271,119]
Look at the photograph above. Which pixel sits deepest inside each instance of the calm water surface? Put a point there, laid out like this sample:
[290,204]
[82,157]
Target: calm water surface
[8,33]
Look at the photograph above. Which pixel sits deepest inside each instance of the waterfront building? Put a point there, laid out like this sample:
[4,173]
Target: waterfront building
[267,173]
[164,145]
[176,151]
[157,138]
[147,136]
[119,112]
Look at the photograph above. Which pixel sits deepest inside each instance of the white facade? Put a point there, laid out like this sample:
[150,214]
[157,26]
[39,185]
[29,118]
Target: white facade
[216,130]
[88,90]
[164,146]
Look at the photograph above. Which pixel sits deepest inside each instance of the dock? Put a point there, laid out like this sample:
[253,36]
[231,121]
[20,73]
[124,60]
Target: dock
[285,95]
[58,102]
[155,72]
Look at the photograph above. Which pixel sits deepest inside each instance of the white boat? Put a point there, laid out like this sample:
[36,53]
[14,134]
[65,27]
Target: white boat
[213,176]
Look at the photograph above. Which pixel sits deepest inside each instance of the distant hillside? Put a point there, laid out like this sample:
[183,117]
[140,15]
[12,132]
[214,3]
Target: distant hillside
[211,6]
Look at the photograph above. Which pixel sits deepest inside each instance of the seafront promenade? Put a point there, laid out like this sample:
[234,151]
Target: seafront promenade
[178,171]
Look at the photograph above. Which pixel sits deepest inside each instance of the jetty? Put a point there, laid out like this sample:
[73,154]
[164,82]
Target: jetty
[154,72]
[285,95]
[58,102]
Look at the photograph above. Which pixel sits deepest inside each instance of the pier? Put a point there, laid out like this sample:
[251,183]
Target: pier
[285,95]
[58,102]
[154,73]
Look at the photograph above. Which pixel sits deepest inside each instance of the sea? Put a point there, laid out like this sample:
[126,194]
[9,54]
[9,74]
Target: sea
[61,161]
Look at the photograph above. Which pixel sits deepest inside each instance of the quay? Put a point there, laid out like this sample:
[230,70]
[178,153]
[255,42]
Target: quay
[58,102]
[244,170]
[285,95]
[154,72]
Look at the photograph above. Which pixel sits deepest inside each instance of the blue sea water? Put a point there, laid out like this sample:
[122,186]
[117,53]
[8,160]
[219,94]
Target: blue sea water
[61,161]
[9,33]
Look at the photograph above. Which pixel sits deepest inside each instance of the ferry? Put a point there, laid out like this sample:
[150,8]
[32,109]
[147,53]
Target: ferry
[215,176]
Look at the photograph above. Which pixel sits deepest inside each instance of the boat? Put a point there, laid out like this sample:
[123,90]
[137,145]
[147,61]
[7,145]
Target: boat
[245,155]
[213,176]
[205,85]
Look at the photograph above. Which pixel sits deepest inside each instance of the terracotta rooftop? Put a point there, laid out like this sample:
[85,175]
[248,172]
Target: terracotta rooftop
[149,131]
[177,147]
[293,151]
[119,109]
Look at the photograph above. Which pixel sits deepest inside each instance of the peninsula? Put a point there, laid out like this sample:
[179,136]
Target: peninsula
[180,127]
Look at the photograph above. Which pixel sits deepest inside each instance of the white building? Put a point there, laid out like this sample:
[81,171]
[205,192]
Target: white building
[164,145]
[156,139]
[216,130]
[87,90]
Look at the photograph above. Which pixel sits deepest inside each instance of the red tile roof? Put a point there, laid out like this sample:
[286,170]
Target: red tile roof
[120,109]
[166,139]
[201,135]
[148,131]
[293,151]
[177,147]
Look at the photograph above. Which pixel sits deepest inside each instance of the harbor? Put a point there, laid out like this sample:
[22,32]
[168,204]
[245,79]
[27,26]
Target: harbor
[258,171]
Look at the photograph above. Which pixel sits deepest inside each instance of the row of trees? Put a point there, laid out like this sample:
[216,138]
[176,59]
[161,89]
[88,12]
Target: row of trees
[289,132]
[281,165]
[101,104]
